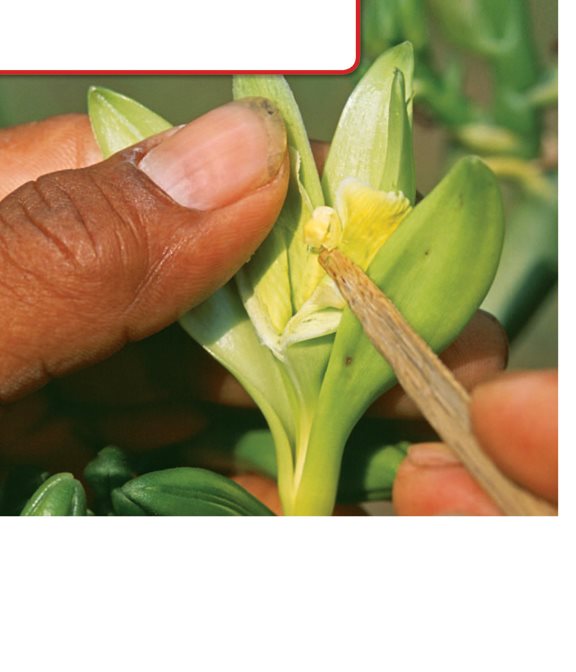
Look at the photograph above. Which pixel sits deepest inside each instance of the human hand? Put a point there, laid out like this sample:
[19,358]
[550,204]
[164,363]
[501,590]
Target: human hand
[93,258]
[515,417]
[146,395]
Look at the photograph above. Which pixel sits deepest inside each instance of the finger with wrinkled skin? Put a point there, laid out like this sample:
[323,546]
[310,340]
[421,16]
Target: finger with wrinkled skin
[120,259]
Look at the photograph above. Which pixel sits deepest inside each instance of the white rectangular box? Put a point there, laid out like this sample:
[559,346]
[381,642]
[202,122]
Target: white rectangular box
[131,36]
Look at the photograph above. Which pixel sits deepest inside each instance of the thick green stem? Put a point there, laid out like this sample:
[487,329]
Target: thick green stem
[320,459]
[315,494]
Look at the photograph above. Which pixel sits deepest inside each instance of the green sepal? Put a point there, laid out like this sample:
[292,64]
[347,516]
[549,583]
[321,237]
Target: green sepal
[436,267]
[185,491]
[119,122]
[60,495]
[360,144]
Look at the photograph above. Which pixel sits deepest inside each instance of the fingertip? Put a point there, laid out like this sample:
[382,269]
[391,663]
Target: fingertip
[427,489]
[515,417]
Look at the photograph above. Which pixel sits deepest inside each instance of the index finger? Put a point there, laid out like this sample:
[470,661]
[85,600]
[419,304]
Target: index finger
[41,147]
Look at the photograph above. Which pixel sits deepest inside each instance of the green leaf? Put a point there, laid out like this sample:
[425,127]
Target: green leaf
[436,267]
[185,491]
[360,145]
[119,121]
[60,495]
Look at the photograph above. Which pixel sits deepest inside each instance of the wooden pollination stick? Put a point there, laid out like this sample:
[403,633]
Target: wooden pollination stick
[431,385]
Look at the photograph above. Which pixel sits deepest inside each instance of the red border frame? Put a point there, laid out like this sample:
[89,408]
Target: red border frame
[203,72]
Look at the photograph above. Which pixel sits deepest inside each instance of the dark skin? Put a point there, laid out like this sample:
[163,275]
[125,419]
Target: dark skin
[136,392]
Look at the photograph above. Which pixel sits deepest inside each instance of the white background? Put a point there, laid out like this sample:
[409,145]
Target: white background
[287,595]
[214,35]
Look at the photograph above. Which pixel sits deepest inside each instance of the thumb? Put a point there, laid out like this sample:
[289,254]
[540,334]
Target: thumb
[95,257]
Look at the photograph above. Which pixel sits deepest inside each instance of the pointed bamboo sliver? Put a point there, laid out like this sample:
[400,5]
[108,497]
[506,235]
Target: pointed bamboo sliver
[430,384]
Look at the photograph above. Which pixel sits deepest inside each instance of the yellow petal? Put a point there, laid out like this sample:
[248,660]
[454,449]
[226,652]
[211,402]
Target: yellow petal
[369,218]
